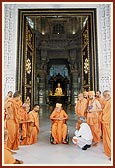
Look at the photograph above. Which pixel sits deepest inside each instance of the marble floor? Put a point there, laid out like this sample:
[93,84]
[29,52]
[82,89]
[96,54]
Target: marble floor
[43,153]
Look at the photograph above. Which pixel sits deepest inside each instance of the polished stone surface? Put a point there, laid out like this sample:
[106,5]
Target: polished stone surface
[45,153]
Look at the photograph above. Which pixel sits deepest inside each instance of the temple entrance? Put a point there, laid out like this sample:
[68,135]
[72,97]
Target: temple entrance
[56,47]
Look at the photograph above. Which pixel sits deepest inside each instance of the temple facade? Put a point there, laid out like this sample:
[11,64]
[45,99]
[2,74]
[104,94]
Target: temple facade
[50,43]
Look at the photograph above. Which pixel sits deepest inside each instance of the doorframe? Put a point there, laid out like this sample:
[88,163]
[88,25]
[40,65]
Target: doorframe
[91,12]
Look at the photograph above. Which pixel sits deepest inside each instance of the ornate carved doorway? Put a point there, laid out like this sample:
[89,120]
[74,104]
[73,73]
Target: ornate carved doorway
[48,37]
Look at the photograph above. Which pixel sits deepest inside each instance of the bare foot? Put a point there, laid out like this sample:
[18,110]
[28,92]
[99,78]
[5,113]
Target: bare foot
[95,143]
[18,161]
[64,142]
[110,159]
[13,152]
[54,142]
[21,162]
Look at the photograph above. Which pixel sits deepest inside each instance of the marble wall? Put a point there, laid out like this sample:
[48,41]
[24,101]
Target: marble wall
[105,46]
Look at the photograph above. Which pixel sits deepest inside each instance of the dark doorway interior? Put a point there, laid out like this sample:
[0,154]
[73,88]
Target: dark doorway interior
[50,40]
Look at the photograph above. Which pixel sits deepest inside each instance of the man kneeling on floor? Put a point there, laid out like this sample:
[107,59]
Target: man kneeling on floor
[59,127]
[83,137]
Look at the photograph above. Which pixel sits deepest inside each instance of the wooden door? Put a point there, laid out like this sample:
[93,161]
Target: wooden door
[25,68]
[89,55]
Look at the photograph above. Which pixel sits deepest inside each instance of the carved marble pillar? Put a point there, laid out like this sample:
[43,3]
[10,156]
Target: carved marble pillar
[104,46]
[9,48]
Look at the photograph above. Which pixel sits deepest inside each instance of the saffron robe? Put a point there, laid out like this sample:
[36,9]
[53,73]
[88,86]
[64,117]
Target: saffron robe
[106,121]
[8,158]
[12,124]
[93,119]
[59,127]
[32,128]
[80,109]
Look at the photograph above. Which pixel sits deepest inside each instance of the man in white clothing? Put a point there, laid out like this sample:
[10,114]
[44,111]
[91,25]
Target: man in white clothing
[83,137]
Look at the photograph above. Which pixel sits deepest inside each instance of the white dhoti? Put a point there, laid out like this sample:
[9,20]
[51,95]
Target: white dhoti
[83,136]
[81,142]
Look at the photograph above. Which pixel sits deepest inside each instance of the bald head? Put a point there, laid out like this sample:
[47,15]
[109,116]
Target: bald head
[106,94]
[85,94]
[80,96]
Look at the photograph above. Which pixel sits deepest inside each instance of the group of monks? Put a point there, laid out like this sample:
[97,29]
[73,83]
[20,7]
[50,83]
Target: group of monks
[97,111]
[21,127]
